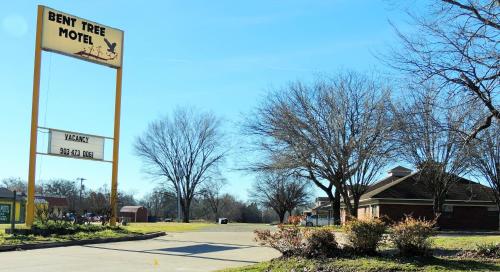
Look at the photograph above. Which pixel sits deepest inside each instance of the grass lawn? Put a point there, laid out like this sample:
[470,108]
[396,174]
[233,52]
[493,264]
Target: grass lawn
[370,264]
[391,263]
[165,226]
[463,242]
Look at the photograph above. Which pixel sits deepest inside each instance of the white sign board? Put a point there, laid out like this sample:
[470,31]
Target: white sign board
[75,145]
[81,38]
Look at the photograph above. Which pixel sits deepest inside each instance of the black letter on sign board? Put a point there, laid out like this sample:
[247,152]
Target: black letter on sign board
[52,16]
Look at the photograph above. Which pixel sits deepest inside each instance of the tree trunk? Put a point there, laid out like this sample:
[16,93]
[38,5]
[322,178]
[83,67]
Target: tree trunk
[350,213]
[281,216]
[498,204]
[216,216]
[355,206]
[437,208]
[185,205]
[335,201]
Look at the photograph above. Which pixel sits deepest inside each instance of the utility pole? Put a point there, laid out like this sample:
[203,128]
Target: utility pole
[81,189]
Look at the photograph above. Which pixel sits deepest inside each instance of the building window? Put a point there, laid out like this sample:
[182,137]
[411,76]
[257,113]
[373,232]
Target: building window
[448,211]
[447,208]
[493,211]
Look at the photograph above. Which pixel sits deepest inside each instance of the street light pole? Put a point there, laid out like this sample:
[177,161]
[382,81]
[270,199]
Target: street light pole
[81,188]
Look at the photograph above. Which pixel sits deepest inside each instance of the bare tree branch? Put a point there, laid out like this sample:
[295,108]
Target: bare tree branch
[185,149]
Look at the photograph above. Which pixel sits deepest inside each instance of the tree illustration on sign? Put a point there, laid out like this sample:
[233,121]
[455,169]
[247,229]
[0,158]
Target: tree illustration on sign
[90,52]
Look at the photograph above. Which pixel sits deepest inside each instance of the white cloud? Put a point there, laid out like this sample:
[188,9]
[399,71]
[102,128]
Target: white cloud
[15,25]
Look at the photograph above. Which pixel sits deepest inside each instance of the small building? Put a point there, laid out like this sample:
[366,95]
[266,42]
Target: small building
[468,205]
[322,207]
[134,213]
[57,205]
[6,202]
[322,210]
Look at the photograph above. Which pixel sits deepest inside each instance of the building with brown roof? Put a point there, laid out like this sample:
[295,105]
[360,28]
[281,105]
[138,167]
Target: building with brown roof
[468,204]
[134,213]
[58,205]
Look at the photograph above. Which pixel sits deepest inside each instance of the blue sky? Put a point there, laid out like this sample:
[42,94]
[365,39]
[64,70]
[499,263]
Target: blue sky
[218,56]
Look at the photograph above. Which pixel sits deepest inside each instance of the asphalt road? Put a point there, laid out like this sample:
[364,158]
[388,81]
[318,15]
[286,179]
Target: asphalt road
[207,250]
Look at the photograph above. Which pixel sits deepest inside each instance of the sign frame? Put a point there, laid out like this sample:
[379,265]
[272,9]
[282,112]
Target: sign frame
[30,205]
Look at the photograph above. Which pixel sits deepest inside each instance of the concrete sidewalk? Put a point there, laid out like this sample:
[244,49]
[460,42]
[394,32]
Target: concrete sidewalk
[190,251]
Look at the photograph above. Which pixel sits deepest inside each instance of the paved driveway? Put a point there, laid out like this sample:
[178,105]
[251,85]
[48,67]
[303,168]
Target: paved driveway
[207,250]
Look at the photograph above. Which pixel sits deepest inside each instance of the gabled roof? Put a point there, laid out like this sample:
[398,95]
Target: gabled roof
[56,201]
[5,193]
[412,187]
[131,209]
[374,188]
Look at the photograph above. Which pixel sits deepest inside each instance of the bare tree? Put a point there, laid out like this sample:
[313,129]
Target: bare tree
[160,202]
[456,44]
[19,185]
[486,159]
[65,188]
[327,132]
[98,203]
[279,191]
[184,149]
[429,138]
[366,174]
[212,193]
[15,184]
[155,201]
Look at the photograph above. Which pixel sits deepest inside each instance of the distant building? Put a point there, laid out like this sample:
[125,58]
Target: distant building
[468,204]
[134,213]
[57,205]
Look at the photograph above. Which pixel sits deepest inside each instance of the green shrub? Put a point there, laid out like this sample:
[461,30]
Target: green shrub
[411,236]
[482,251]
[320,243]
[52,227]
[364,235]
[488,250]
[287,239]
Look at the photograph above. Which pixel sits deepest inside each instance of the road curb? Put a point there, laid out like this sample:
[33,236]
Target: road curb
[82,242]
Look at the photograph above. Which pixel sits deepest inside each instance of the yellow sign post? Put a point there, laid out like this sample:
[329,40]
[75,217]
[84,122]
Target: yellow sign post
[86,40]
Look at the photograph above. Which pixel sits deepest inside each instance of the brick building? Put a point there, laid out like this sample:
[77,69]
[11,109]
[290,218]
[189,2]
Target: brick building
[468,204]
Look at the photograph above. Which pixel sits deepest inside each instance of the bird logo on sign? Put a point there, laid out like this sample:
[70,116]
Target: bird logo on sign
[111,46]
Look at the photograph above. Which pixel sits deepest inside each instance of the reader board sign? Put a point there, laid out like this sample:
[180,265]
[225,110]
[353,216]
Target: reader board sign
[80,38]
[4,213]
[75,145]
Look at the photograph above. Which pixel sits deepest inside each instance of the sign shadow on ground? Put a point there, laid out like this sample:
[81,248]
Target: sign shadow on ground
[198,249]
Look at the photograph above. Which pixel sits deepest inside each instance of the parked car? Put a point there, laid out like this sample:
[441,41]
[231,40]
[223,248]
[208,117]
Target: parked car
[69,217]
[168,220]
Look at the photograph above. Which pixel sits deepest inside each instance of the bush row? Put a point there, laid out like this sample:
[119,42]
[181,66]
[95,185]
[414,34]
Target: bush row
[51,227]
[411,237]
